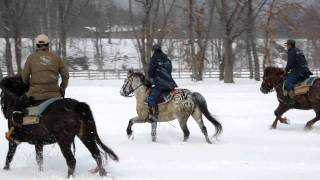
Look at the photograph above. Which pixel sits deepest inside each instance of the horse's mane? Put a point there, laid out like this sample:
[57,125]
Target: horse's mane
[11,88]
[14,84]
[143,79]
[273,70]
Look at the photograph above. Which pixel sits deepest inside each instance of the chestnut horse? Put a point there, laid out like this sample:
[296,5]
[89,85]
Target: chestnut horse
[273,79]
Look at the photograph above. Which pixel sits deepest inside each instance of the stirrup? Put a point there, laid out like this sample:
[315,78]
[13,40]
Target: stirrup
[289,101]
[8,136]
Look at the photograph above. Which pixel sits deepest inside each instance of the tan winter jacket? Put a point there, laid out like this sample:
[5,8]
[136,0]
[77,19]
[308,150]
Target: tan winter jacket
[41,71]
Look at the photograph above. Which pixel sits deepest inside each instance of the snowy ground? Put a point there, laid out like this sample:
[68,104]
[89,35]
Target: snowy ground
[247,150]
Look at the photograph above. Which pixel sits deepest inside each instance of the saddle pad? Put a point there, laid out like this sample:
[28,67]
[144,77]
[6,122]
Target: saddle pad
[38,110]
[303,87]
[307,82]
[301,90]
[28,120]
[165,96]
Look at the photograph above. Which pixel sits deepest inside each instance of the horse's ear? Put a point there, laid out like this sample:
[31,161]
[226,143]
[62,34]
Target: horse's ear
[266,71]
[130,71]
[281,72]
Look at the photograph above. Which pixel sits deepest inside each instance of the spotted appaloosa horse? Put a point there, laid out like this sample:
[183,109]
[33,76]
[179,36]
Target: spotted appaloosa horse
[183,104]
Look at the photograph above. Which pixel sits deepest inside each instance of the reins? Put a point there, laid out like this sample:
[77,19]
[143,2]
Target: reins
[131,92]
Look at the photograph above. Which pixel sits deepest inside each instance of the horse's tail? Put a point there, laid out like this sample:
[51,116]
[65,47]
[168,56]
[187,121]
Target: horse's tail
[201,103]
[88,119]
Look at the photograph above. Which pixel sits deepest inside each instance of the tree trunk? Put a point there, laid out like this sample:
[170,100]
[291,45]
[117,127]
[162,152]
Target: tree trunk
[17,47]
[256,60]
[228,59]
[8,57]
[191,40]
[249,56]
[252,37]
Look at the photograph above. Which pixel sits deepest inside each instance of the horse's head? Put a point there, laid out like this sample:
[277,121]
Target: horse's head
[272,77]
[13,85]
[133,81]
[11,88]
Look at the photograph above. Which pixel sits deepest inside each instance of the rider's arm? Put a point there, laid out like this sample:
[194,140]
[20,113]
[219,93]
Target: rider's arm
[151,68]
[291,60]
[26,72]
[64,73]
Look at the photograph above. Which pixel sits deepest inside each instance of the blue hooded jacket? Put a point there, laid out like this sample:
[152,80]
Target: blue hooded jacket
[160,69]
[297,63]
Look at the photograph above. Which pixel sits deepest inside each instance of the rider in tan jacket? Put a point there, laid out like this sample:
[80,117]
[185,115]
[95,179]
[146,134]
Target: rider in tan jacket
[41,71]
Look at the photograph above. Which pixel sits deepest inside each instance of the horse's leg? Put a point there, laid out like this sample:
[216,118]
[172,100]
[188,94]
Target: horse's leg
[154,131]
[197,115]
[65,148]
[39,156]
[89,141]
[130,124]
[184,127]
[281,109]
[10,154]
[310,123]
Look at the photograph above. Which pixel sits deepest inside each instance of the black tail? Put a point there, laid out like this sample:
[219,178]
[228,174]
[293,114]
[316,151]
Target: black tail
[200,102]
[85,111]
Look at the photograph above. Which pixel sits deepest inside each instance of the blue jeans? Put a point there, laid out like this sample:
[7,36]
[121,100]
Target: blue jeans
[152,100]
[291,80]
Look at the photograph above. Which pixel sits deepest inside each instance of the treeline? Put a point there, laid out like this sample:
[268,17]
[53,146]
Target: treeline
[226,30]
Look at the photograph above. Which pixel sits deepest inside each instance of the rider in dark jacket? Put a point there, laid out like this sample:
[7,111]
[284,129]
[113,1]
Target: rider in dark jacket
[296,69]
[160,69]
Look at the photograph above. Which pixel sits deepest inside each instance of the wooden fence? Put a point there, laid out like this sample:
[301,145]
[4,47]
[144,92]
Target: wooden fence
[185,74]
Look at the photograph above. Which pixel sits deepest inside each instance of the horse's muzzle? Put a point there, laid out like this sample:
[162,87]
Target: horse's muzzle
[123,93]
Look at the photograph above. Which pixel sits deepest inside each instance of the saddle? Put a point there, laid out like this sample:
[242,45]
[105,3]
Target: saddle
[303,87]
[165,96]
[32,114]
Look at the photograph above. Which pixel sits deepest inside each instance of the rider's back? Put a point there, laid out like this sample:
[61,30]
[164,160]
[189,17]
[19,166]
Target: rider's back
[41,71]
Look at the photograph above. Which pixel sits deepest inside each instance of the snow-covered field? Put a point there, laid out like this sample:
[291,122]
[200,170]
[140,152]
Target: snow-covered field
[247,149]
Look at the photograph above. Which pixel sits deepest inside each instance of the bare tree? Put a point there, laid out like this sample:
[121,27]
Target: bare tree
[147,30]
[230,14]
[200,20]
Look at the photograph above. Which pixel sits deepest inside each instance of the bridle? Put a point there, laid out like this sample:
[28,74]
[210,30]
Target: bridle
[131,90]
[275,87]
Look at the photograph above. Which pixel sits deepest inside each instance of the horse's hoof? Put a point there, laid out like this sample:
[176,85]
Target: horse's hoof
[41,169]
[93,171]
[185,139]
[154,139]
[131,137]
[7,168]
[209,141]
[70,176]
[308,128]
[285,121]
[103,172]
[273,127]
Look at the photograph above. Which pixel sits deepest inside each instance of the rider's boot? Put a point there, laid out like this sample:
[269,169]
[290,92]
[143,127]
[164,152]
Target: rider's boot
[17,121]
[290,100]
[153,113]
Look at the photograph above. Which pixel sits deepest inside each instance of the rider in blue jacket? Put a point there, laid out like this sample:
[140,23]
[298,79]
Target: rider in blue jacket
[160,69]
[296,69]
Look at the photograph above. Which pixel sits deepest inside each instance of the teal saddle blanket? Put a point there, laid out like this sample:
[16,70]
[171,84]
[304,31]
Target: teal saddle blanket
[38,110]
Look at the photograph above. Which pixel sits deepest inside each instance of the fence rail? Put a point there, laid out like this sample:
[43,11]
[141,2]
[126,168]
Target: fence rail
[185,74]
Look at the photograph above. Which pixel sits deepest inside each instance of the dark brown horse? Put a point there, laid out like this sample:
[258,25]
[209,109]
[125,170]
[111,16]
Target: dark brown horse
[60,122]
[273,78]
